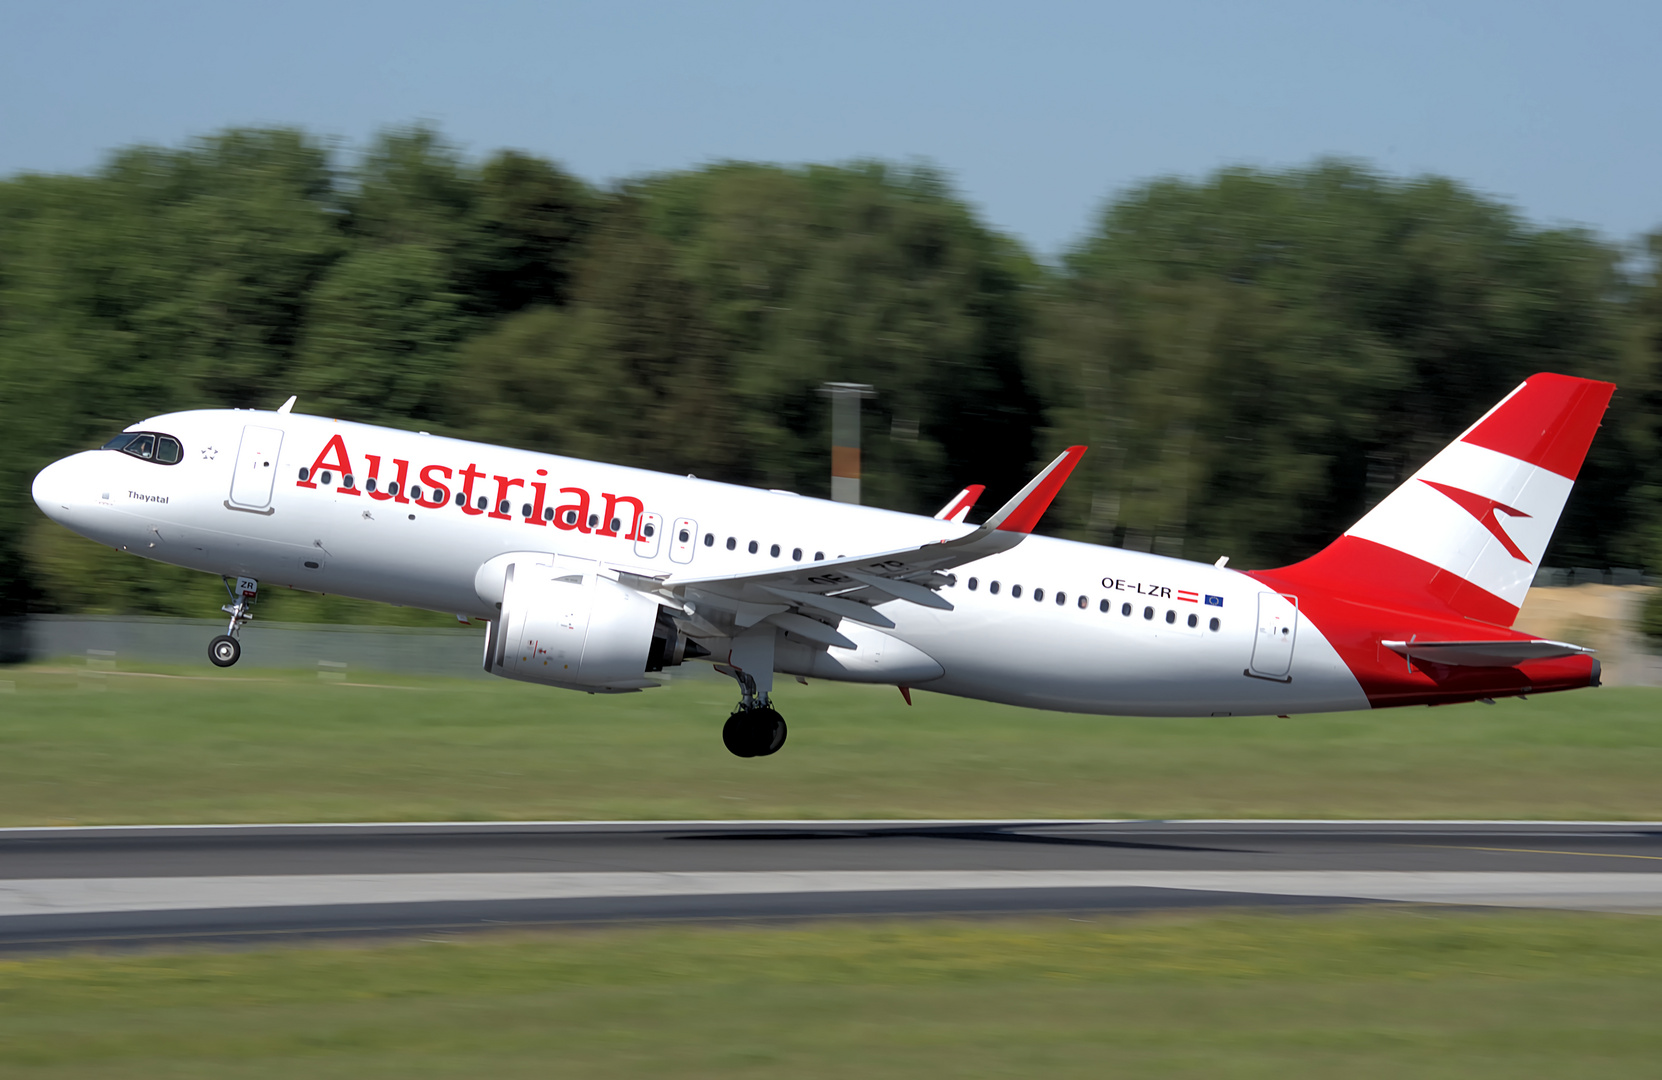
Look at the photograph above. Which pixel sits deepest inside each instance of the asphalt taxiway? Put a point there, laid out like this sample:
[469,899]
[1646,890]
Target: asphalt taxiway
[165,884]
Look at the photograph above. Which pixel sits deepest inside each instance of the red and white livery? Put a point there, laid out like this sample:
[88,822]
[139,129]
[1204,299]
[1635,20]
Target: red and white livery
[596,577]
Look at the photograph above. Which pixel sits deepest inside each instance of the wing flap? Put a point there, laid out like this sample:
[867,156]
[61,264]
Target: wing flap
[812,629]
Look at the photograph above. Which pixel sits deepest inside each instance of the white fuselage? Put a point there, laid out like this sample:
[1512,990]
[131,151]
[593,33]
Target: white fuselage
[235,504]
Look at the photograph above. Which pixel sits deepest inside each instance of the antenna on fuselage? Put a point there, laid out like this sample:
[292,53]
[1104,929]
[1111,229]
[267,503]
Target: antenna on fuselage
[287,405]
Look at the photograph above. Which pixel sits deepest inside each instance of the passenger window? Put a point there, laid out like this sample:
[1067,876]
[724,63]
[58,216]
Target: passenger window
[1061,599]
[1171,617]
[1148,613]
[1103,607]
[369,485]
[972,584]
[461,500]
[819,556]
[1038,594]
[1084,603]
[753,547]
[774,551]
[796,554]
[709,539]
[415,492]
[732,542]
[1194,621]
[684,536]
[1214,624]
[1125,609]
[1015,590]
[992,587]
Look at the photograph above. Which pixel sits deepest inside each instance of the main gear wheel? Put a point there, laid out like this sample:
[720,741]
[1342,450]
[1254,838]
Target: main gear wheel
[755,732]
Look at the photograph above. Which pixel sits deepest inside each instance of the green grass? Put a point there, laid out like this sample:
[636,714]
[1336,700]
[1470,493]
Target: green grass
[78,747]
[1383,993]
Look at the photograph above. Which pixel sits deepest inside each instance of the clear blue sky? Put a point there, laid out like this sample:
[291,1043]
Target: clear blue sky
[1038,110]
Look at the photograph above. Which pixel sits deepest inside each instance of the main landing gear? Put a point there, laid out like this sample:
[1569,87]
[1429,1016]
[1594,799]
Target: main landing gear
[225,649]
[755,729]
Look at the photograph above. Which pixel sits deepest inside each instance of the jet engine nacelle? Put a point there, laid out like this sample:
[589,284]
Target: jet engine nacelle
[566,624]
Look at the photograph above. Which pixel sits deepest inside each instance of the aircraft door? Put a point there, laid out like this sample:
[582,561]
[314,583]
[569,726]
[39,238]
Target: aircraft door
[1272,649]
[683,540]
[256,469]
[650,529]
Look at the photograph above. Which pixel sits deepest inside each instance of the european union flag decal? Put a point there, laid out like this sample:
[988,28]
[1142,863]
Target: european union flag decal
[1214,601]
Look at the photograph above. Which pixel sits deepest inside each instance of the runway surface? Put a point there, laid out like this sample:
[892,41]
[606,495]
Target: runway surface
[154,885]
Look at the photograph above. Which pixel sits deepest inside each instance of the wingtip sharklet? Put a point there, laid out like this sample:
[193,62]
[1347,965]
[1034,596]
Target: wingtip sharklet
[1022,513]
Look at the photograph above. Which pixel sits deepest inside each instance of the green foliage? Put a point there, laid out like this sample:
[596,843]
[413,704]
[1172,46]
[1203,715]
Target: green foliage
[1650,617]
[1233,995]
[724,298]
[1258,357]
[259,745]
[1253,357]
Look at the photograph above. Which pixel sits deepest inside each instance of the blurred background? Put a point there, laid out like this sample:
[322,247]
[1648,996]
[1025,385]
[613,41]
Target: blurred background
[1257,325]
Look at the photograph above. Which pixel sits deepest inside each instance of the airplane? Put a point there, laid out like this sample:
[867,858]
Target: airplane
[600,578]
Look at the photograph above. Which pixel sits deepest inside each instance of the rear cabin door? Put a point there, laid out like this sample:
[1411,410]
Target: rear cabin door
[256,470]
[1272,649]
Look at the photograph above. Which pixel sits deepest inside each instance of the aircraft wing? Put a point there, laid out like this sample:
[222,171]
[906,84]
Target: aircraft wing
[1484,653]
[960,506]
[796,596]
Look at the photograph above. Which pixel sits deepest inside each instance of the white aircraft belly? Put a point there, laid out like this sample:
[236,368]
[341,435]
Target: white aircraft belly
[1090,662]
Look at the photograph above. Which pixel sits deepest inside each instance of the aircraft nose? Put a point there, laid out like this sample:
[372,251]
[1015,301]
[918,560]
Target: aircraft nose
[60,487]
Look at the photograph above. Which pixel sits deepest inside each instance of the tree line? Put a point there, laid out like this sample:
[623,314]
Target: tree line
[1253,357]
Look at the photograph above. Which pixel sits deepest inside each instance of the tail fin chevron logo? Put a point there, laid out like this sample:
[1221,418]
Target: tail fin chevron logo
[1438,543]
[1484,511]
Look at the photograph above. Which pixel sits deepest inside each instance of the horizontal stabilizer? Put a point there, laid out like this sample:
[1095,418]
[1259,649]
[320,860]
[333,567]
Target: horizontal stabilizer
[1485,653]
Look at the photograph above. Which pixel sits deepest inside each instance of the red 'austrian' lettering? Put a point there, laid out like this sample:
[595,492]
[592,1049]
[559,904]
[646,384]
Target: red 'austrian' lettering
[436,490]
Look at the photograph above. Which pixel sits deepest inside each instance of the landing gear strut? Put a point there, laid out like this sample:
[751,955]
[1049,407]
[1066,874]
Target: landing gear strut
[755,729]
[225,649]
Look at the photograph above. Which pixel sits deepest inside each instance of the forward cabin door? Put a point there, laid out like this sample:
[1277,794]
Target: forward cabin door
[1272,649]
[256,470]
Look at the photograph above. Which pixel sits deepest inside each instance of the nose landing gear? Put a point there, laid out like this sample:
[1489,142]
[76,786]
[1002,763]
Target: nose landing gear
[755,729]
[225,649]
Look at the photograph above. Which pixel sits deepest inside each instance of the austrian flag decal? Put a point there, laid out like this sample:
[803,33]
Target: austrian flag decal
[1188,596]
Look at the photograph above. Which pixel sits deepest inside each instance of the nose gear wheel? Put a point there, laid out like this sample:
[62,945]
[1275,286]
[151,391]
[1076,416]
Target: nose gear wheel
[225,649]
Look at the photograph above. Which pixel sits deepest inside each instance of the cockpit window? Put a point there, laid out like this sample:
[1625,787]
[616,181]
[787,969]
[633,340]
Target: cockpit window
[148,445]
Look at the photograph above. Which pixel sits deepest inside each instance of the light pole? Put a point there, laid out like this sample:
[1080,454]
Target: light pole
[845,438]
